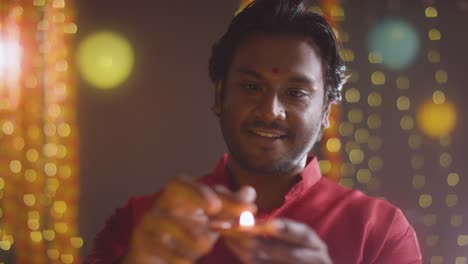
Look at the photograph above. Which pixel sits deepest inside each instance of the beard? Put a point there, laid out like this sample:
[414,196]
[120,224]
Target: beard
[294,151]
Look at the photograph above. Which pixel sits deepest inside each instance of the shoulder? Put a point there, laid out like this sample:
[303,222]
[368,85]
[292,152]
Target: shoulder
[386,235]
[357,200]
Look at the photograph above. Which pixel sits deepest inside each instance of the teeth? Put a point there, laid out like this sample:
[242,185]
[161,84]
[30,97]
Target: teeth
[268,135]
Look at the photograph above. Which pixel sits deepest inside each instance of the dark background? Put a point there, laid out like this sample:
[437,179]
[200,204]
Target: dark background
[158,123]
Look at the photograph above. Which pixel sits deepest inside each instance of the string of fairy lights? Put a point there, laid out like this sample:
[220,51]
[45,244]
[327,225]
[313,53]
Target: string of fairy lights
[424,124]
[453,219]
[39,182]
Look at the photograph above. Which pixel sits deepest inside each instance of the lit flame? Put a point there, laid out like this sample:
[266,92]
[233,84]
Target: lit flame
[246,219]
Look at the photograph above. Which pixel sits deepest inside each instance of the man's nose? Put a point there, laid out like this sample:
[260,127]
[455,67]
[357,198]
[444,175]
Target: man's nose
[270,108]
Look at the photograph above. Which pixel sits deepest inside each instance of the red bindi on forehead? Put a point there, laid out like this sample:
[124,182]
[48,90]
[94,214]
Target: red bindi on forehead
[275,70]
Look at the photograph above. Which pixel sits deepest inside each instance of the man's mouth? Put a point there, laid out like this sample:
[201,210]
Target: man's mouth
[268,134]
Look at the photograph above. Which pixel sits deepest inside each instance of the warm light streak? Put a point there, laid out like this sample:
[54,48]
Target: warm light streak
[10,68]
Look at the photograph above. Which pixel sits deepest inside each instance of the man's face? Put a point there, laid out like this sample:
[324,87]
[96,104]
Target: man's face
[272,104]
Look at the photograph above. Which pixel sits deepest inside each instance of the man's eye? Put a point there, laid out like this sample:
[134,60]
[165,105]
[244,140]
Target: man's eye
[250,86]
[296,93]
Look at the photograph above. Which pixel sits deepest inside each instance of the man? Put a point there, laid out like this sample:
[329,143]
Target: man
[276,72]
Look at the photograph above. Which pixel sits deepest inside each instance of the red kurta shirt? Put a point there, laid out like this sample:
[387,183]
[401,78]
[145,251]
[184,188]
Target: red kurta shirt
[356,228]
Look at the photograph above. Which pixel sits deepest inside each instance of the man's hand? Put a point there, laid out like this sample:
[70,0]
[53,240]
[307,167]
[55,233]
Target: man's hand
[279,241]
[179,228]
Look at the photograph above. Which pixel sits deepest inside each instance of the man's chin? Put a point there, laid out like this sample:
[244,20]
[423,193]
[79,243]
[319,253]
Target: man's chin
[268,165]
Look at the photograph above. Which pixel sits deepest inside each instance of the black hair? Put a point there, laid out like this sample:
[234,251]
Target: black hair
[283,17]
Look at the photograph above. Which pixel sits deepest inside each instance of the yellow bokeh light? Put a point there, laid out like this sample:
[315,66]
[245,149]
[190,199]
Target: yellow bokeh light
[425,200]
[430,11]
[105,59]
[347,169]
[16,166]
[374,121]
[76,242]
[325,166]
[435,259]
[352,95]
[407,122]
[375,57]
[18,143]
[414,141]
[346,129]
[50,169]
[61,228]
[436,120]
[374,99]
[355,115]
[378,78]
[60,207]
[346,182]
[462,240]
[419,181]
[33,224]
[438,97]
[49,235]
[403,103]
[363,176]
[430,220]
[53,254]
[456,220]
[461,260]
[451,200]
[29,199]
[32,155]
[36,236]
[445,160]
[30,175]
[453,179]
[434,34]
[433,56]
[347,55]
[375,163]
[403,82]
[361,135]
[356,156]
[441,76]
[66,258]
[8,128]
[333,144]
[5,245]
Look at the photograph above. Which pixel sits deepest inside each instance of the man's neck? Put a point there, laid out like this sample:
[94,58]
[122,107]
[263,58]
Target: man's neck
[271,189]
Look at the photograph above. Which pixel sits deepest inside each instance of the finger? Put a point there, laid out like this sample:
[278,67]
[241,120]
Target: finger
[296,233]
[277,251]
[167,255]
[234,203]
[184,195]
[242,248]
[187,237]
[147,248]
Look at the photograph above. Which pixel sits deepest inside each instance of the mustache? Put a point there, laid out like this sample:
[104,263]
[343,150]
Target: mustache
[273,125]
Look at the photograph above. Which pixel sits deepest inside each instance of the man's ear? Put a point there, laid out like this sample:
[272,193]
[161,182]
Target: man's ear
[216,108]
[326,115]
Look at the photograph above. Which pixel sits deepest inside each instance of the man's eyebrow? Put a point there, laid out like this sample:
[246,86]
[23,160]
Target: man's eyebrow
[301,79]
[252,73]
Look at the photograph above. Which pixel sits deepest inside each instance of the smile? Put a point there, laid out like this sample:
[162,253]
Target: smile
[267,134]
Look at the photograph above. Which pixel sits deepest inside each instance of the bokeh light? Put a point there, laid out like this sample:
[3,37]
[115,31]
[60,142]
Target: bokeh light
[395,41]
[436,119]
[105,59]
